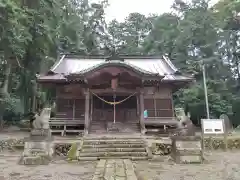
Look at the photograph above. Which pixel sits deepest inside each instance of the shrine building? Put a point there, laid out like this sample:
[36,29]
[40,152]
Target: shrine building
[124,94]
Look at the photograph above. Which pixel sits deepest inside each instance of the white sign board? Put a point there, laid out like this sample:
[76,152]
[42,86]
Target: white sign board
[213,126]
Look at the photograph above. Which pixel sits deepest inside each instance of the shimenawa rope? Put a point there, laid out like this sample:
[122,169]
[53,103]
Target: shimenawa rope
[113,103]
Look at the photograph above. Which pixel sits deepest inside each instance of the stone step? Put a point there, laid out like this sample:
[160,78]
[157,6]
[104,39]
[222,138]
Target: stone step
[113,138]
[132,128]
[34,160]
[96,129]
[97,126]
[132,124]
[113,141]
[88,158]
[134,158]
[113,149]
[116,139]
[113,146]
[112,154]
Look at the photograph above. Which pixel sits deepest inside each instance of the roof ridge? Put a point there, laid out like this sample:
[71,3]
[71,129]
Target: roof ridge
[121,56]
[170,64]
[112,62]
[56,64]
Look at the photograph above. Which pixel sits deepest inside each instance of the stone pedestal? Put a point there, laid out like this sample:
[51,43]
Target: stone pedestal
[187,149]
[38,148]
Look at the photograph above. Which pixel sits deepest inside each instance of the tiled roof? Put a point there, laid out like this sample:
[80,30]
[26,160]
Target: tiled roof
[162,66]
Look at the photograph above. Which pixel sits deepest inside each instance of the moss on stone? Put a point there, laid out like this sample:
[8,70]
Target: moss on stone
[71,155]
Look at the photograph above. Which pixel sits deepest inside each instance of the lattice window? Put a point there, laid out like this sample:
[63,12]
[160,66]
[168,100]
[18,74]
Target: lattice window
[149,105]
[79,108]
[163,104]
[158,107]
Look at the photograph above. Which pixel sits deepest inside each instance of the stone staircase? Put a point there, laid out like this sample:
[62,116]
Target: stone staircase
[97,127]
[134,126]
[121,147]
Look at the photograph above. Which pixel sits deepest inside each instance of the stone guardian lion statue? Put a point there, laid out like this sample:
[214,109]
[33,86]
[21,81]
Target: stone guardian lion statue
[42,121]
[185,126]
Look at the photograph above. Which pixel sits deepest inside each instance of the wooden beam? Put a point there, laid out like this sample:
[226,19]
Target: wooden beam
[87,123]
[110,90]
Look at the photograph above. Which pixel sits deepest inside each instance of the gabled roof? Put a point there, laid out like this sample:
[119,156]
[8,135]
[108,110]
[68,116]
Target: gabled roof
[147,65]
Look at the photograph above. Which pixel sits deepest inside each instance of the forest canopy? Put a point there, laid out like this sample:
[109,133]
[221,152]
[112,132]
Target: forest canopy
[33,33]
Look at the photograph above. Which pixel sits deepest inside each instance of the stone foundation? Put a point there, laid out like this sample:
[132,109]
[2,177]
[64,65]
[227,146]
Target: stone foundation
[35,160]
[187,149]
[159,146]
[38,148]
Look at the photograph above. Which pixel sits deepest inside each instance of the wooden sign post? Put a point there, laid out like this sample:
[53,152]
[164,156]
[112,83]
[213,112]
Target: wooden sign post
[214,127]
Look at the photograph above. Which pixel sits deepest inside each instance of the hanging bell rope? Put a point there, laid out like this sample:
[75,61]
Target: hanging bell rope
[114,102]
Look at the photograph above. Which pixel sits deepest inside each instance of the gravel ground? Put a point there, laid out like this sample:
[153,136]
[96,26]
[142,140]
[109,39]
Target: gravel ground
[58,170]
[218,166]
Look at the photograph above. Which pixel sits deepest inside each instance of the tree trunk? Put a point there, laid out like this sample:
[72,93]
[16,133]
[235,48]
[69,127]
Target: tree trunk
[5,83]
[4,91]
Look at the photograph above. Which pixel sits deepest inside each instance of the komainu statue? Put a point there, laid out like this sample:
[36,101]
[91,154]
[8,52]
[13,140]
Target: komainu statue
[227,122]
[179,113]
[42,120]
[185,126]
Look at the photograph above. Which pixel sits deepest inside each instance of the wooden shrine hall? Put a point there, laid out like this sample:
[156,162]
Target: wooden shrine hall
[124,94]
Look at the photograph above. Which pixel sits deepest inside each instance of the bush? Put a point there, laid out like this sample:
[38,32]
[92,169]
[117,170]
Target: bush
[11,109]
[219,144]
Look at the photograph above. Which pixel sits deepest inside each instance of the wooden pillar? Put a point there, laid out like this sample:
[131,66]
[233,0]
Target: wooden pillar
[74,109]
[87,123]
[142,123]
[155,105]
[137,106]
[91,114]
[173,108]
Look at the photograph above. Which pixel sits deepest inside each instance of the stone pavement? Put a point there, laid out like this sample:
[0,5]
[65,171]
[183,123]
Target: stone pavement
[115,169]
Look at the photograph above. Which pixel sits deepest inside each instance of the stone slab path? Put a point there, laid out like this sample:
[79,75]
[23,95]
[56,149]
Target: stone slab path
[115,169]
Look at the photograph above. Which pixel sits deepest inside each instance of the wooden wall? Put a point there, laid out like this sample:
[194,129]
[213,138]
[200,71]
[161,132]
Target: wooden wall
[70,101]
[158,101]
